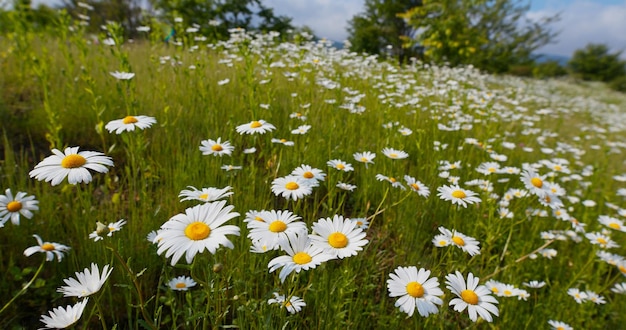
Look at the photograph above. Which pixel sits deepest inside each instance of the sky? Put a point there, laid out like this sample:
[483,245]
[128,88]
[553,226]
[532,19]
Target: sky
[582,21]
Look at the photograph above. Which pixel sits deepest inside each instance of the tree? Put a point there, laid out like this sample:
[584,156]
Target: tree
[493,35]
[379,27]
[594,62]
[246,14]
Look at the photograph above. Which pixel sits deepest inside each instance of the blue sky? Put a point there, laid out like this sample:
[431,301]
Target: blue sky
[582,21]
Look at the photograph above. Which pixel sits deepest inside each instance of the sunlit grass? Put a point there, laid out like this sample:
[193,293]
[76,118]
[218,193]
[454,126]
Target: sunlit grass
[353,104]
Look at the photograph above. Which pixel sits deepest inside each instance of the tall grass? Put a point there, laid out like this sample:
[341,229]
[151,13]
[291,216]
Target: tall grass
[58,93]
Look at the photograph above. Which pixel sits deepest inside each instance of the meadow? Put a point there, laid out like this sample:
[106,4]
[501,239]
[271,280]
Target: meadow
[275,182]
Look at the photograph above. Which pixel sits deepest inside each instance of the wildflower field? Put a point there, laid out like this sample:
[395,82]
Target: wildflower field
[275,182]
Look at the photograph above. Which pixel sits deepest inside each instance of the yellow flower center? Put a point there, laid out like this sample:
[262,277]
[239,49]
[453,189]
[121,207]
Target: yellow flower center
[73,161]
[363,159]
[337,240]
[302,258]
[197,231]
[359,223]
[558,168]
[415,186]
[393,155]
[14,206]
[393,180]
[258,218]
[495,290]
[415,290]
[469,297]
[622,269]
[340,166]
[560,328]
[292,185]
[283,140]
[458,240]
[507,292]
[277,226]
[129,120]
[491,169]
[181,285]
[255,124]
[611,225]
[47,247]
[204,196]
[443,242]
[217,147]
[536,182]
[458,194]
[308,175]
[601,240]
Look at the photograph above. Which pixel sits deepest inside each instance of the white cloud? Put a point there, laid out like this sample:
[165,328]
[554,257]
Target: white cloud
[583,22]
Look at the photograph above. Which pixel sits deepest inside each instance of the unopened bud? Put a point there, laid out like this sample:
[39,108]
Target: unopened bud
[101,229]
[217,267]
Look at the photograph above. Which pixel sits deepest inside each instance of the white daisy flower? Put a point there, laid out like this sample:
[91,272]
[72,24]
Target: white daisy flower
[293,305]
[181,283]
[198,229]
[558,325]
[61,318]
[535,284]
[340,165]
[71,164]
[129,123]
[311,175]
[338,236]
[209,194]
[269,227]
[366,157]
[302,255]
[395,153]
[477,299]
[216,148]
[12,207]
[417,186]
[457,195]
[108,230]
[604,241]
[619,288]
[86,282]
[50,249]
[291,187]
[416,290]
[283,142]
[302,129]
[255,127]
[534,182]
[394,182]
[579,296]
[345,186]
[122,75]
[464,242]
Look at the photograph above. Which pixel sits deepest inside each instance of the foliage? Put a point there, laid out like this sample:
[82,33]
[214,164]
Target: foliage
[228,14]
[548,69]
[379,30]
[492,35]
[618,84]
[594,62]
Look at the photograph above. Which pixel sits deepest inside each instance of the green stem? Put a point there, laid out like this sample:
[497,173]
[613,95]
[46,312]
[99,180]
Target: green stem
[137,286]
[25,287]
